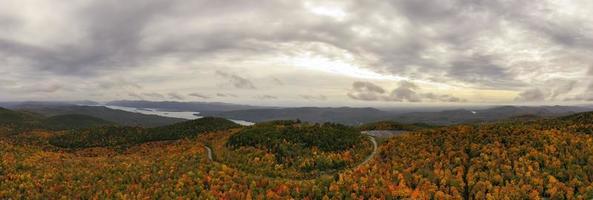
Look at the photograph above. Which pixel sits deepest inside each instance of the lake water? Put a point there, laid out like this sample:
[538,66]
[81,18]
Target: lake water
[183,115]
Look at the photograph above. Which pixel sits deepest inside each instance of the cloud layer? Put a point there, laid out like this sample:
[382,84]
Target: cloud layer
[405,92]
[332,51]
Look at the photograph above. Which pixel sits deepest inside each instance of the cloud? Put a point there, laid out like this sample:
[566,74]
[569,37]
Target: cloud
[561,86]
[154,95]
[50,88]
[134,95]
[277,81]
[237,81]
[475,45]
[587,95]
[118,82]
[532,95]
[481,71]
[225,95]
[198,95]
[175,96]
[266,97]
[314,98]
[556,88]
[405,92]
[366,91]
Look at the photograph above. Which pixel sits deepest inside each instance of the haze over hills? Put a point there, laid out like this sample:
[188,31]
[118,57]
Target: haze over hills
[356,116]
[344,115]
[117,116]
[26,120]
[183,106]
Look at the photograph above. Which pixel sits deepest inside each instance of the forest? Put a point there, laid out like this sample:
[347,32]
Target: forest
[295,149]
[538,159]
[121,135]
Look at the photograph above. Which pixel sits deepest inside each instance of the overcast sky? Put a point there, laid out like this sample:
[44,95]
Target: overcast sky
[264,52]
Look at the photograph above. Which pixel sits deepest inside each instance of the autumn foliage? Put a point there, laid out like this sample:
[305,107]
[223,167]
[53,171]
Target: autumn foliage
[544,159]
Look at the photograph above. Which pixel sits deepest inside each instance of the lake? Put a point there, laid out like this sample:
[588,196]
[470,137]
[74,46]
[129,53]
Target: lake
[175,114]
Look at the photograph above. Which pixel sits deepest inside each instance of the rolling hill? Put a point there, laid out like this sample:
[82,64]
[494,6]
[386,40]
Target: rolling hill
[117,116]
[183,106]
[357,116]
[74,121]
[108,136]
[343,115]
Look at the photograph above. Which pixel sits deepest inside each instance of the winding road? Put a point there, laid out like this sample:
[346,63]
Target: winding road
[366,160]
[372,154]
[209,150]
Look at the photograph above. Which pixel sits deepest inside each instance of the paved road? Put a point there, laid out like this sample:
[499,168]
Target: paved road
[368,158]
[209,150]
[372,154]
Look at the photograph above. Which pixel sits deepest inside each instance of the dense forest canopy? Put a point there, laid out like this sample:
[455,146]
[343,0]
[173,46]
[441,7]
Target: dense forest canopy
[118,135]
[295,150]
[536,159]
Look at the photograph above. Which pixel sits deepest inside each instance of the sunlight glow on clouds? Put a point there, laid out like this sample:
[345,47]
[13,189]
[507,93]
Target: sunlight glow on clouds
[493,51]
[326,10]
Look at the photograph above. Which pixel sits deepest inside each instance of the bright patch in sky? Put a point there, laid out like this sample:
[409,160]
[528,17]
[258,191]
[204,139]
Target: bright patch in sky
[337,67]
[327,10]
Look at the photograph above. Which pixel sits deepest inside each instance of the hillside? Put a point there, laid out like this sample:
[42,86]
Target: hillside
[14,118]
[358,116]
[23,120]
[344,115]
[392,125]
[74,121]
[510,160]
[110,136]
[183,106]
[449,117]
[117,116]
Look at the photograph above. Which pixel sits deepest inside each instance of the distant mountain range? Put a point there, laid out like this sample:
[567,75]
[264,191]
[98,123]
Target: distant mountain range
[344,115]
[183,106]
[118,116]
[355,116]
[28,120]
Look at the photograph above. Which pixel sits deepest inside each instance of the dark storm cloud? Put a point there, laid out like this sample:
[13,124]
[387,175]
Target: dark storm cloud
[236,80]
[405,92]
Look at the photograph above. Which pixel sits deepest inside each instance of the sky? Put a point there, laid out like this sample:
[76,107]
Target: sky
[286,52]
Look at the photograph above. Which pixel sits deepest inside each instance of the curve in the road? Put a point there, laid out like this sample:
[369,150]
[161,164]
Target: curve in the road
[372,154]
[366,160]
[209,151]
